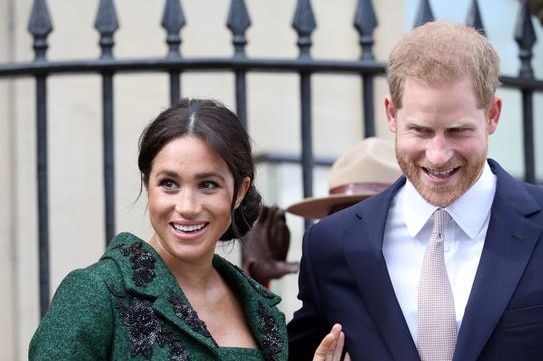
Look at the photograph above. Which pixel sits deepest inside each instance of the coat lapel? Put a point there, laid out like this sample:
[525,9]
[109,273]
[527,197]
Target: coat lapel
[364,255]
[259,305]
[148,280]
[509,243]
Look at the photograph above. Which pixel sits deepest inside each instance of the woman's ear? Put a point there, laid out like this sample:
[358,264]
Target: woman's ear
[244,187]
[145,185]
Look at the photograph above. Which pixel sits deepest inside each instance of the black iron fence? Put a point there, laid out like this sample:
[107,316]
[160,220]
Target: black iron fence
[366,68]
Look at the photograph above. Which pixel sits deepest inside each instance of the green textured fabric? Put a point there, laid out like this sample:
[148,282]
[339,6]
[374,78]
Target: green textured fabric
[128,306]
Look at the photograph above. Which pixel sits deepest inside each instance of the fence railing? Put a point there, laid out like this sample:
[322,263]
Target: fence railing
[366,68]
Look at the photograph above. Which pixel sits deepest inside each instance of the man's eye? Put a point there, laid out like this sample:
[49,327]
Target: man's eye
[457,130]
[420,129]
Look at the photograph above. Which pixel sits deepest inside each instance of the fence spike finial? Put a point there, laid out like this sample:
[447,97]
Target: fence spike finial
[304,23]
[173,20]
[40,26]
[525,37]
[474,18]
[106,23]
[238,22]
[365,21]
[424,14]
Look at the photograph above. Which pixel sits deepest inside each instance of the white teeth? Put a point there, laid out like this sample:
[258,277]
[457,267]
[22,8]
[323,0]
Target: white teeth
[440,173]
[191,228]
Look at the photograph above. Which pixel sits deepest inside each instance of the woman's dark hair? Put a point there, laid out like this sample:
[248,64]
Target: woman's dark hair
[222,131]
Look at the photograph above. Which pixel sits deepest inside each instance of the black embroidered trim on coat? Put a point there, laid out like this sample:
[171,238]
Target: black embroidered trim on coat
[177,351]
[186,313]
[145,330]
[144,327]
[143,262]
[273,343]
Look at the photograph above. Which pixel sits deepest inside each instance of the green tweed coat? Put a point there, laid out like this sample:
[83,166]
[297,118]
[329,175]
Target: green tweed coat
[128,306]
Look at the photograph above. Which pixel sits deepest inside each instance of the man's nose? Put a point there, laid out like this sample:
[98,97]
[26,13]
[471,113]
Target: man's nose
[439,150]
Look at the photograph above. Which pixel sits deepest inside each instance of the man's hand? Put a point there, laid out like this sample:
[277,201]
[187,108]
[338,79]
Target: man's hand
[266,245]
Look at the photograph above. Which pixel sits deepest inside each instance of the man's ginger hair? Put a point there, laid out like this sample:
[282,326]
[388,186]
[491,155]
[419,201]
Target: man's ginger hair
[439,52]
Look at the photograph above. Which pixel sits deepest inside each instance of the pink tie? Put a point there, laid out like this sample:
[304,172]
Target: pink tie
[436,317]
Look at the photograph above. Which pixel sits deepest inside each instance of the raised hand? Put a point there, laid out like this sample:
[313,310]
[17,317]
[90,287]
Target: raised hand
[331,346]
[266,245]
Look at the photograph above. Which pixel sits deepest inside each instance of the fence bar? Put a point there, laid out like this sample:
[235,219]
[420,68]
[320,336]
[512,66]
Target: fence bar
[307,134]
[109,155]
[528,132]
[365,22]
[107,24]
[40,26]
[238,22]
[173,20]
[474,18]
[526,38]
[43,195]
[368,109]
[424,14]
[159,65]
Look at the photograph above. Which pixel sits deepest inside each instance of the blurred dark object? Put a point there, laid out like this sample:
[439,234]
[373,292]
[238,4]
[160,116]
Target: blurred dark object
[266,245]
[536,8]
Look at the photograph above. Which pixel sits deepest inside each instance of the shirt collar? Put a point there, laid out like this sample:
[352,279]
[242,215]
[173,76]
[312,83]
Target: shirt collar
[469,212]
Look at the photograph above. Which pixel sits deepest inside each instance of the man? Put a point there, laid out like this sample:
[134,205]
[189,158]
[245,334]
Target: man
[361,267]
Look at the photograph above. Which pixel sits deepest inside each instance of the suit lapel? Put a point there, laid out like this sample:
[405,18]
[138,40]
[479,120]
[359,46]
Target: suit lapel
[363,252]
[509,244]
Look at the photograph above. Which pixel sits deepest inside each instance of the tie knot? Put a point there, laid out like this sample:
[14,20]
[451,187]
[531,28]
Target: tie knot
[441,218]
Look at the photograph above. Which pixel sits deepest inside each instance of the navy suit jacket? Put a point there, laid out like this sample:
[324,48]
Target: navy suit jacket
[343,278]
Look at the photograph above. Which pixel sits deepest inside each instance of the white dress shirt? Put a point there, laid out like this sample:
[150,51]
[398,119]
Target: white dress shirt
[408,229]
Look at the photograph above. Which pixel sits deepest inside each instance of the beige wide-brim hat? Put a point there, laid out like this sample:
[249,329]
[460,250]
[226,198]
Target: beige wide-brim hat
[362,171]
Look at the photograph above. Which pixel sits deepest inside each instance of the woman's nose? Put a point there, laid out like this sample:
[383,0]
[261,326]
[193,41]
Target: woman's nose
[187,203]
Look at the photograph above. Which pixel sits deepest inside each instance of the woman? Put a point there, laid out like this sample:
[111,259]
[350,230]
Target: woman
[173,298]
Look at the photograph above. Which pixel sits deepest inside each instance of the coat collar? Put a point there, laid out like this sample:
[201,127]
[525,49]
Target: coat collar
[146,277]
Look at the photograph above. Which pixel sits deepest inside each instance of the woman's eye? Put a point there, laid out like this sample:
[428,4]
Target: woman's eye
[209,185]
[168,184]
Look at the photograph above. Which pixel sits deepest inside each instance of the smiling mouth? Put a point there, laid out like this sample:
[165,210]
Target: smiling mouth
[189,228]
[441,174]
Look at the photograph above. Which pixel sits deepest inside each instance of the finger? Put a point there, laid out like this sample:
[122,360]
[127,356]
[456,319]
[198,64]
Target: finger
[324,348]
[267,271]
[287,267]
[347,357]
[275,212]
[338,350]
[327,348]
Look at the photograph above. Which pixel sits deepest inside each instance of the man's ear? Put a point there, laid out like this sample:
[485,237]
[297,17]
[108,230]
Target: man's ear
[390,112]
[493,115]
